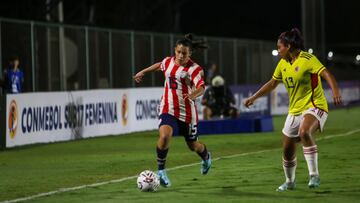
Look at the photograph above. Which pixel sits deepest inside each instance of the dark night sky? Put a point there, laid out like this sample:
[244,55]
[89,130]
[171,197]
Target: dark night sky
[248,19]
[256,19]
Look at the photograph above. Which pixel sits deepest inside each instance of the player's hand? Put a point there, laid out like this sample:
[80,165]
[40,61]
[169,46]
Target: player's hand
[249,101]
[138,77]
[189,96]
[337,98]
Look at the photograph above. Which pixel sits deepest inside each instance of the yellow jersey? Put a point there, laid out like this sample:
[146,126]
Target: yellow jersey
[303,83]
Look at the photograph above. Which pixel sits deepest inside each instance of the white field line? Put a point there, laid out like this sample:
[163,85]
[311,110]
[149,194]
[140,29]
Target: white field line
[62,190]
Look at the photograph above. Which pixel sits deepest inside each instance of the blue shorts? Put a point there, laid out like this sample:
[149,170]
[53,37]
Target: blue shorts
[189,131]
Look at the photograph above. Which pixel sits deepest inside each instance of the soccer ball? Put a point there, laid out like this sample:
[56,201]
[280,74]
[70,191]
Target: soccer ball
[148,181]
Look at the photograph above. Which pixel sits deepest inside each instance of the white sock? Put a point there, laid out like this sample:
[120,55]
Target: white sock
[311,157]
[289,169]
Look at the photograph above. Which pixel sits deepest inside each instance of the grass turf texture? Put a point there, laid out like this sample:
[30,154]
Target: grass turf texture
[30,170]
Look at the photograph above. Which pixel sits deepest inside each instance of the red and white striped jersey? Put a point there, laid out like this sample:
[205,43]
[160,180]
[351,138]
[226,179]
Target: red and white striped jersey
[179,81]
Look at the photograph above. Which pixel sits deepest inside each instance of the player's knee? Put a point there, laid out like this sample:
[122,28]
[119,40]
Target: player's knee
[164,138]
[304,134]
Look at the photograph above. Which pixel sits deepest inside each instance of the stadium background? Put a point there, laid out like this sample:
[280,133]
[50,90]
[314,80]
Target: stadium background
[92,44]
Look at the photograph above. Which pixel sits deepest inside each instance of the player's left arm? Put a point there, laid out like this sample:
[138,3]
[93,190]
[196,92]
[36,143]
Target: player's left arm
[198,80]
[196,93]
[333,85]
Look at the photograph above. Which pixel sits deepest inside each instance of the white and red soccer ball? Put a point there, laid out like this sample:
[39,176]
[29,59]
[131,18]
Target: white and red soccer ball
[148,181]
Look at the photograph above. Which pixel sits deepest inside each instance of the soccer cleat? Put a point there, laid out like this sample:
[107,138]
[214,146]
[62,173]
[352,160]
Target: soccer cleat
[286,186]
[206,165]
[314,182]
[164,180]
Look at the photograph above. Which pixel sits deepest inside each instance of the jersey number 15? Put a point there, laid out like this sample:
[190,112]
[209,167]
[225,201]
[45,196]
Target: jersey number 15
[172,83]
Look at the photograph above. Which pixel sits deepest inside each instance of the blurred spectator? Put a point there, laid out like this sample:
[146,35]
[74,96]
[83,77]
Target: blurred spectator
[218,100]
[210,71]
[13,77]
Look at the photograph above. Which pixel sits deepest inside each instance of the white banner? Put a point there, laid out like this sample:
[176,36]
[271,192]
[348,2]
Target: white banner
[143,108]
[350,92]
[59,116]
[279,100]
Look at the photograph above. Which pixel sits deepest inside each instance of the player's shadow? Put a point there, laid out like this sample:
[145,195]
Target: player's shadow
[236,192]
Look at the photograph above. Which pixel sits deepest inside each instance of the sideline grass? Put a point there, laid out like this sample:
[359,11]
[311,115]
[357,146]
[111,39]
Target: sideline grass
[36,169]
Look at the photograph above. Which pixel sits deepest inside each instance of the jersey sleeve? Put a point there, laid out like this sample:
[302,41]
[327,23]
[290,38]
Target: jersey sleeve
[164,63]
[197,77]
[315,66]
[277,73]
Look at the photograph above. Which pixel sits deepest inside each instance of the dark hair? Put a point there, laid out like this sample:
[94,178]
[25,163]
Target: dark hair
[292,38]
[189,41]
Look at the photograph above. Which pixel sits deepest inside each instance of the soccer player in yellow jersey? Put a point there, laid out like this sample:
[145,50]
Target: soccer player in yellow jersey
[301,73]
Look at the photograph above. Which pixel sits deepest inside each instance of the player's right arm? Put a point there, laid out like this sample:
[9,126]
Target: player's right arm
[265,89]
[155,67]
[333,85]
[319,69]
[268,87]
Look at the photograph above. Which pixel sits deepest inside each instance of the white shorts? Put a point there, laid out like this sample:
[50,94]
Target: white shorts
[292,123]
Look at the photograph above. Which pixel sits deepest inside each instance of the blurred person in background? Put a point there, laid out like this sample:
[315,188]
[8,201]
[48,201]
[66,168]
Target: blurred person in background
[13,77]
[184,82]
[218,100]
[210,72]
[301,73]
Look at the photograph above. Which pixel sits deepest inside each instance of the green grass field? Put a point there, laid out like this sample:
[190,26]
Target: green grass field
[249,168]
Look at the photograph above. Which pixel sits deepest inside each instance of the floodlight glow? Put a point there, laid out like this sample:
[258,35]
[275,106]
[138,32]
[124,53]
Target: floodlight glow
[357,58]
[330,54]
[275,52]
[311,51]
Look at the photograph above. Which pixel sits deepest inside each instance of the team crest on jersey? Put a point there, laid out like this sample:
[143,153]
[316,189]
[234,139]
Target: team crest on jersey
[297,68]
[185,75]
[13,119]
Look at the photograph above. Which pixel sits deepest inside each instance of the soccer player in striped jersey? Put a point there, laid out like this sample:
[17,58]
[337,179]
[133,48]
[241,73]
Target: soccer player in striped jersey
[301,73]
[184,82]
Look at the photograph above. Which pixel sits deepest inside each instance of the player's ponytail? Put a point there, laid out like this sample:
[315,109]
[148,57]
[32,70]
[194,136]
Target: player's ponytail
[189,41]
[293,38]
[189,36]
